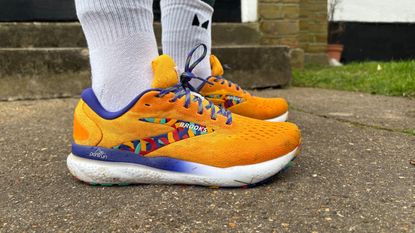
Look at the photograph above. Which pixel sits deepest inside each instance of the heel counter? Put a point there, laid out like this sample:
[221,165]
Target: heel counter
[85,131]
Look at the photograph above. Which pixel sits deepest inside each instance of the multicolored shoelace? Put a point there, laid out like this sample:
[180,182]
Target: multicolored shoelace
[230,83]
[184,88]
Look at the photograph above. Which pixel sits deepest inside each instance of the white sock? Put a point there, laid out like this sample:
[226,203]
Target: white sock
[122,45]
[185,24]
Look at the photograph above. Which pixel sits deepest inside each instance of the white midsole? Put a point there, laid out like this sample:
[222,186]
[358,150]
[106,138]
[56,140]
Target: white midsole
[102,172]
[281,118]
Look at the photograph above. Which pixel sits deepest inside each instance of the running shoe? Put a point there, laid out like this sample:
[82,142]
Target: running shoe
[170,135]
[231,96]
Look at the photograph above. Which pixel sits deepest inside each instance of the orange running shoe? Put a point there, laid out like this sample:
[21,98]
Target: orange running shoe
[168,135]
[229,95]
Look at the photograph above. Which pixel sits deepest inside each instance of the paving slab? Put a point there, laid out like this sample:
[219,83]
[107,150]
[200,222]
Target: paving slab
[389,113]
[348,178]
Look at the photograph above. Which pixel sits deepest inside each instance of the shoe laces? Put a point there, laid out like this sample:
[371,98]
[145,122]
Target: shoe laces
[229,83]
[185,89]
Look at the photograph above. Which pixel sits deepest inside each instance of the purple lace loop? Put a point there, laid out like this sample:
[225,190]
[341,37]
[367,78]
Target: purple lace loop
[189,67]
[184,89]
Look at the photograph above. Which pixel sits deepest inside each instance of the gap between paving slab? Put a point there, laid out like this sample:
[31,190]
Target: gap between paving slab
[376,111]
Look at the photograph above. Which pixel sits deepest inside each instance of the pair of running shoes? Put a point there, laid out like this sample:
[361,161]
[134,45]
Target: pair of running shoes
[216,135]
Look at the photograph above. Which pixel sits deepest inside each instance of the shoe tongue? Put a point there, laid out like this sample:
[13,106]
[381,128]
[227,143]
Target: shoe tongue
[165,73]
[217,69]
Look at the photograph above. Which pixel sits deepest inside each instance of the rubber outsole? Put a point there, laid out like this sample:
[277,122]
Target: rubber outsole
[282,118]
[264,182]
[120,174]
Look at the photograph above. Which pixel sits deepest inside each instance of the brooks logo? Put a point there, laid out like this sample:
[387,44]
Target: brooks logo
[193,127]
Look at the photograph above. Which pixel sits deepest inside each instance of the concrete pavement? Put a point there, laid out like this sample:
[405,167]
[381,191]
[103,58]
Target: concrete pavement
[354,175]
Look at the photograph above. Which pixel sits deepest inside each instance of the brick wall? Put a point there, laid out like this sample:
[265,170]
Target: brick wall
[300,24]
[313,25]
[279,21]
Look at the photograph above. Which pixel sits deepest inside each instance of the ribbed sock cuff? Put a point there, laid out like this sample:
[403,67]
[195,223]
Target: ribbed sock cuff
[105,21]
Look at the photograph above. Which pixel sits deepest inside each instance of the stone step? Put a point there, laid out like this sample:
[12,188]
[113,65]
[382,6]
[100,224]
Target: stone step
[46,35]
[59,72]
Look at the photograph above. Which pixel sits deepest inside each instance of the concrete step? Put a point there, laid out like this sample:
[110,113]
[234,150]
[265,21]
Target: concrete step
[45,35]
[58,72]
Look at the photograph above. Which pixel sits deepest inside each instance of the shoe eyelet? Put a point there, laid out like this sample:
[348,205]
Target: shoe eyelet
[147,105]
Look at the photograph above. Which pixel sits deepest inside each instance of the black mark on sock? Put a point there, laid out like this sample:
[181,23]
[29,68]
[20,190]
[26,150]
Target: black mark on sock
[196,21]
[205,24]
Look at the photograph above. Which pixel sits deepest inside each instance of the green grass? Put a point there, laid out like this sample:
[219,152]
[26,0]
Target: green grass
[385,78]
